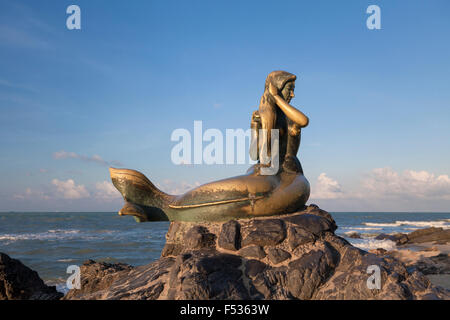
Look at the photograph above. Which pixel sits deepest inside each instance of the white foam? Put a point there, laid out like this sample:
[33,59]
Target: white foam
[369,244]
[438,224]
[361,228]
[65,260]
[49,235]
[62,231]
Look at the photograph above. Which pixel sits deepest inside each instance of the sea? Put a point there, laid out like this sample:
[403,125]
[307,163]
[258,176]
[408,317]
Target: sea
[50,242]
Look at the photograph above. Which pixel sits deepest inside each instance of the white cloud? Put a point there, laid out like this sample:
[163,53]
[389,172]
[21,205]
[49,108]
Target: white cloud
[385,182]
[69,190]
[106,191]
[326,188]
[384,189]
[32,194]
[59,155]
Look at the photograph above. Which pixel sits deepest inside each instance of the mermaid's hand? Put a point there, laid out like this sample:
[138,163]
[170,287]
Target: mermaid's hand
[256,117]
[273,90]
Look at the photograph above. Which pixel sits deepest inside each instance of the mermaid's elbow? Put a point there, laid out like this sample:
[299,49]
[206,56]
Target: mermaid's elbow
[305,122]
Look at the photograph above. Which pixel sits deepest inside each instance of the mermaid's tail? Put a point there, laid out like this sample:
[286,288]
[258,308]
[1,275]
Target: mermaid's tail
[143,200]
[233,198]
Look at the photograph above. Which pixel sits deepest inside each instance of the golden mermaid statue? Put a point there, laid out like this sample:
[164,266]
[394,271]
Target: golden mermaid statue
[273,186]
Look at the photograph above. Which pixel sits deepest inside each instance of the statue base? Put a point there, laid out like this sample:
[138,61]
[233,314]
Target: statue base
[295,256]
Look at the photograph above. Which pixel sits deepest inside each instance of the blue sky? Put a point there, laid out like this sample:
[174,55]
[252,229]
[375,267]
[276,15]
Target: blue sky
[73,102]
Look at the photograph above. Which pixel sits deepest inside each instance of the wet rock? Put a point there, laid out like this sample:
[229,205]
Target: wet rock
[429,235]
[18,282]
[432,234]
[384,236]
[353,235]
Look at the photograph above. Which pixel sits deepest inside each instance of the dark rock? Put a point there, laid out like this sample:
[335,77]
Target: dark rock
[199,237]
[353,235]
[384,236]
[97,277]
[213,262]
[254,267]
[172,249]
[401,239]
[429,235]
[265,232]
[439,264]
[271,283]
[209,275]
[252,252]
[278,255]
[312,223]
[299,236]
[229,237]
[432,234]
[18,282]
[378,251]
[309,272]
[315,210]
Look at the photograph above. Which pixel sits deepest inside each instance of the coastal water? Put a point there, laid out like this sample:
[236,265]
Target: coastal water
[49,242]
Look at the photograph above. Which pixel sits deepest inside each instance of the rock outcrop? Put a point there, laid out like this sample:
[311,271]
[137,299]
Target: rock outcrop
[18,282]
[432,234]
[295,256]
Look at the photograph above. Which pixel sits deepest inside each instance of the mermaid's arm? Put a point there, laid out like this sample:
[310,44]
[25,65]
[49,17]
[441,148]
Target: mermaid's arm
[291,112]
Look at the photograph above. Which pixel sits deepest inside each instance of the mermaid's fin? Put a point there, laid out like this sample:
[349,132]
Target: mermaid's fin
[143,200]
[143,213]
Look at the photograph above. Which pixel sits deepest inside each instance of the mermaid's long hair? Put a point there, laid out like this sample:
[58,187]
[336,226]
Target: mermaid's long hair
[279,80]
[267,105]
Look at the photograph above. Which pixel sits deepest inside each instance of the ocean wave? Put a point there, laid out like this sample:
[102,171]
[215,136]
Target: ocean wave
[369,244]
[62,231]
[58,234]
[362,228]
[59,283]
[349,233]
[424,224]
[66,260]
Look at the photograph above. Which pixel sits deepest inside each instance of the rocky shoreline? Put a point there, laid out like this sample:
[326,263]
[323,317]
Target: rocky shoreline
[426,235]
[18,282]
[295,256]
[426,250]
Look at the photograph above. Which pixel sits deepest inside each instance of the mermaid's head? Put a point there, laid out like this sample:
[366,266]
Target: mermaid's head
[283,81]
